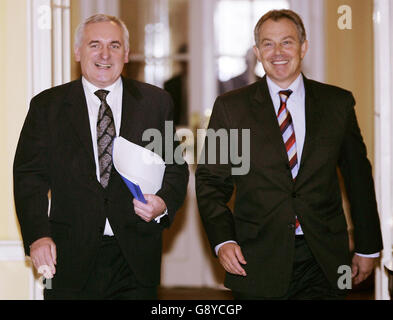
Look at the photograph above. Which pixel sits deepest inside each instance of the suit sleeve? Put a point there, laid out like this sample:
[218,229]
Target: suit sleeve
[357,174]
[214,182]
[175,181]
[31,181]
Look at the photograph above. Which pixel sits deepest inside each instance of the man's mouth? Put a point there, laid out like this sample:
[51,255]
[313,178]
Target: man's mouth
[281,62]
[102,65]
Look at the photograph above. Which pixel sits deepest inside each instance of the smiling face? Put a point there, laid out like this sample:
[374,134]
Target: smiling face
[102,53]
[280,51]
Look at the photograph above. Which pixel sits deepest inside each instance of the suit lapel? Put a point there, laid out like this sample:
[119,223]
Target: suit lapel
[263,112]
[77,112]
[78,115]
[131,116]
[313,113]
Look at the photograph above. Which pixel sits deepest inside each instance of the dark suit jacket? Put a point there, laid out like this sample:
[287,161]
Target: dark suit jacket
[55,153]
[177,88]
[267,199]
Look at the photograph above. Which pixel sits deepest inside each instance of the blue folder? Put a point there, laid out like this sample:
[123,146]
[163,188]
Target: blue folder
[135,190]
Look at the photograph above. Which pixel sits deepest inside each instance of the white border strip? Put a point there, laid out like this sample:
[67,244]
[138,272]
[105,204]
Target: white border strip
[383,142]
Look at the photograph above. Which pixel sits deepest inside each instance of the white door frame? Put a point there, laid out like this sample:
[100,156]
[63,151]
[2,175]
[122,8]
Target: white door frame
[383,120]
[312,13]
[48,64]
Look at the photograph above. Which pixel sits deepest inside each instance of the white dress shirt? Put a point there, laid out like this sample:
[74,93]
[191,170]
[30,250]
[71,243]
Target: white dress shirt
[115,100]
[296,107]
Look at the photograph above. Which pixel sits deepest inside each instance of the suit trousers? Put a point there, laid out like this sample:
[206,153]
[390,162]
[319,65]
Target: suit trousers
[111,279]
[308,281]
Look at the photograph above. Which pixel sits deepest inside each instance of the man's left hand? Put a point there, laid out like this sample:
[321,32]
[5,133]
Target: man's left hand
[362,268]
[154,207]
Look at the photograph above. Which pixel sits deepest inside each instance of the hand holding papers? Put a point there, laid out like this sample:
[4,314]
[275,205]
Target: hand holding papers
[155,208]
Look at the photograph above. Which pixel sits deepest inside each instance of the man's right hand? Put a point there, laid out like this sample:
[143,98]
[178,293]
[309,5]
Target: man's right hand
[43,254]
[230,256]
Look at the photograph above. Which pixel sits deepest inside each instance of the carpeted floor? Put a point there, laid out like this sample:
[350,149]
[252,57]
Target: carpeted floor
[216,294]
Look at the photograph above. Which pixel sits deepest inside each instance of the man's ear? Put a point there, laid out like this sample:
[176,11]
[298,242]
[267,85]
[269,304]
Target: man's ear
[77,55]
[126,56]
[257,53]
[304,48]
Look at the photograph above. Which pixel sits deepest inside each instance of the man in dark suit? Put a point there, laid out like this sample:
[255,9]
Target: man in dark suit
[177,86]
[243,79]
[287,236]
[98,241]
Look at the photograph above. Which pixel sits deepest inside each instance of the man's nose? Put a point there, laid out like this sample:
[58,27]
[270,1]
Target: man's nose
[105,52]
[277,49]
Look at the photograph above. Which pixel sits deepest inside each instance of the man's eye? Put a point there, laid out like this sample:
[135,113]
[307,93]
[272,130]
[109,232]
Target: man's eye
[115,46]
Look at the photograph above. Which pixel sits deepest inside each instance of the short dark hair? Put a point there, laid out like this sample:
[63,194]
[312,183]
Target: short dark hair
[276,15]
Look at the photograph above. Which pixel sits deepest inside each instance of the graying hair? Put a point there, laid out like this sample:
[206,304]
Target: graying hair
[101,18]
[276,15]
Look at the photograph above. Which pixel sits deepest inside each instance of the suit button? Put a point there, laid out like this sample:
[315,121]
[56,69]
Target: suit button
[101,230]
[294,195]
[291,226]
[106,200]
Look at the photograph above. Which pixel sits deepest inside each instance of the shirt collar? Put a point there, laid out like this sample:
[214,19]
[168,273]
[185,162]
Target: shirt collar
[92,88]
[296,86]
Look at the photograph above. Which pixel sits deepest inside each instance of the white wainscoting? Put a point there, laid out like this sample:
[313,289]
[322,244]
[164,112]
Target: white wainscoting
[12,251]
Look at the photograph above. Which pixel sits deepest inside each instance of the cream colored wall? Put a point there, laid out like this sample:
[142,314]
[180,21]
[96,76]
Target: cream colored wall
[349,60]
[13,83]
[3,173]
[14,92]
[350,64]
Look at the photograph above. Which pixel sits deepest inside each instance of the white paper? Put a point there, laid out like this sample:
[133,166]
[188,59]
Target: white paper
[139,165]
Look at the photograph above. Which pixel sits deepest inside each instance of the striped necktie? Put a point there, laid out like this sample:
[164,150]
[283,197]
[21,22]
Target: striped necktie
[288,134]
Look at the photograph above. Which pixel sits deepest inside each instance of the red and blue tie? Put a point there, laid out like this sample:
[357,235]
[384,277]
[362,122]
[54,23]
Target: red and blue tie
[288,134]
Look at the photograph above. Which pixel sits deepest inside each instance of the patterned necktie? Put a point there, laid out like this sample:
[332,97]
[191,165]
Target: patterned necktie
[288,135]
[106,133]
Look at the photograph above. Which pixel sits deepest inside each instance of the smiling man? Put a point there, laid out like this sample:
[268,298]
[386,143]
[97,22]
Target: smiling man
[102,52]
[287,236]
[98,241]
[280,47]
